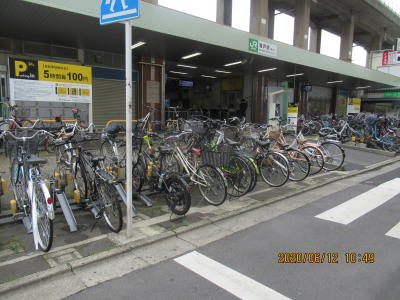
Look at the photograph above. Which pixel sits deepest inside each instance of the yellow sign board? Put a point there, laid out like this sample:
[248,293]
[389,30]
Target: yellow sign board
[56,72]
[293,110]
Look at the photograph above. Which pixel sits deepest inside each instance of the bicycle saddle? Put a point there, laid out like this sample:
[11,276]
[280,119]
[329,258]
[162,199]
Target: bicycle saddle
[96,159]
[323,134]
[165,149]
[261,143]
[283,145]
[231,143]
[35,160]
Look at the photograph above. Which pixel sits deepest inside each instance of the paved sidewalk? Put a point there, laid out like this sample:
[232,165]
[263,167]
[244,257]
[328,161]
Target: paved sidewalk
[19,264]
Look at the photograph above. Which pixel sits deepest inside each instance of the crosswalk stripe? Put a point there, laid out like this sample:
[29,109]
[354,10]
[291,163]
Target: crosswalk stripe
[394,232]
[356,207]
[230,280]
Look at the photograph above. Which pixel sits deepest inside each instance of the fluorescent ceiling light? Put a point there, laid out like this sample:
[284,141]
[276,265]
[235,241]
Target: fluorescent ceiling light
[191,55]
[266,70]
[362,87]
[221,71]
[208,76]
[294,75]
[138,44]
[233,63]
[186,66]
[176,72]
[175,78]
[336,81]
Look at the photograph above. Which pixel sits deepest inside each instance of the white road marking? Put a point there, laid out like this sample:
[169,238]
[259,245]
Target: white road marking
[394,232]
[356,207]
[230,280]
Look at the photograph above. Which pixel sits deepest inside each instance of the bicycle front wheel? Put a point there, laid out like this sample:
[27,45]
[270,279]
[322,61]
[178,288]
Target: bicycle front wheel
[41,220]
[109,203]
[107,150]
[212,185]
[274,169]
[178,197]
[316,158]
[333,156]
[239,176]
[299,165]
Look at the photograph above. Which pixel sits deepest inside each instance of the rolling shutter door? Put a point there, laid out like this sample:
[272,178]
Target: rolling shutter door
[109,100]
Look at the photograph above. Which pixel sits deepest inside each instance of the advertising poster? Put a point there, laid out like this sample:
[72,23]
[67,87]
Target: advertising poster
[35,80]
[292,117]
[390,58]
[353,105]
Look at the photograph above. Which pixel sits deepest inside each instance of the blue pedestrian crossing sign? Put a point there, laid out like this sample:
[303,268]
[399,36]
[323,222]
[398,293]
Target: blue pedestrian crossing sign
[118,10]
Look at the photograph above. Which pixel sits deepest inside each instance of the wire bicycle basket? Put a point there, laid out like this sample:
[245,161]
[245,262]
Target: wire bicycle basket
[13,147]
[216,158]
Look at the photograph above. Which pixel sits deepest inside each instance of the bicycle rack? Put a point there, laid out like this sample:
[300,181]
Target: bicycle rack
[59,186]
[67,210]
[122,193]
[142,197]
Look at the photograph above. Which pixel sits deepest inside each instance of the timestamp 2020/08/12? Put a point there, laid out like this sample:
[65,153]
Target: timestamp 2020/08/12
[326,257]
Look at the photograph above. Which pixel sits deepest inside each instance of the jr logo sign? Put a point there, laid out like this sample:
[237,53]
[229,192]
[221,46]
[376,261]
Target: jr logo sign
[253,45]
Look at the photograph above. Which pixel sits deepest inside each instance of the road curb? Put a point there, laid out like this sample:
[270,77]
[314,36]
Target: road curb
[129,246]
[370,150]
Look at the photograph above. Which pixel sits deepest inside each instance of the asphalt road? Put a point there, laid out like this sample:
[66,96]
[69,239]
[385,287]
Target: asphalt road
[245,264]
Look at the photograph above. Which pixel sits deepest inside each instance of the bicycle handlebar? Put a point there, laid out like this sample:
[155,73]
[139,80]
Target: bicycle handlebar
[22,127]
[24,138]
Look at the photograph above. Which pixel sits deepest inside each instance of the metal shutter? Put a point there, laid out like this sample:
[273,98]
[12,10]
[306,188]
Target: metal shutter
[109,100]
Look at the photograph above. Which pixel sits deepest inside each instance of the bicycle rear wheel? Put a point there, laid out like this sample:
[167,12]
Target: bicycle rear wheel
[333,156]
[41,220]
[274,169]
[212,185]
[110,205]
[106,149]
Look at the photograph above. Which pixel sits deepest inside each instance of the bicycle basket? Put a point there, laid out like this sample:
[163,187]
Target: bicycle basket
[195,126]
[89,141]
[12,146]
[218,158]
[274,134]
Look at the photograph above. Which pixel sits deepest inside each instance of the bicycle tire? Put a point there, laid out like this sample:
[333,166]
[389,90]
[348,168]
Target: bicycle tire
[299,165]
[44,225]
[255,170]
[216,183]
[239,176]
[316,158]
[17,182]
[139,174]
[274,164]
[80,182]
[106,149]
[178,196]
[334,156]
[109,198]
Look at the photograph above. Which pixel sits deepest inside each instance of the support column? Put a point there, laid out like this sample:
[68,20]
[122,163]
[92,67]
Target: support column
[271,21]
[301,23]
[346,43]
[224,12]
[315,38]
[248,92]
[259,17]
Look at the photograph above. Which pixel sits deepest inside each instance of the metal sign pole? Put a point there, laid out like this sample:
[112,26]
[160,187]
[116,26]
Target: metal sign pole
[128,70]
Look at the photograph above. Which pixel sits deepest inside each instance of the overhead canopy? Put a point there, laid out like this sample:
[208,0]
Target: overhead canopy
[172,35]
